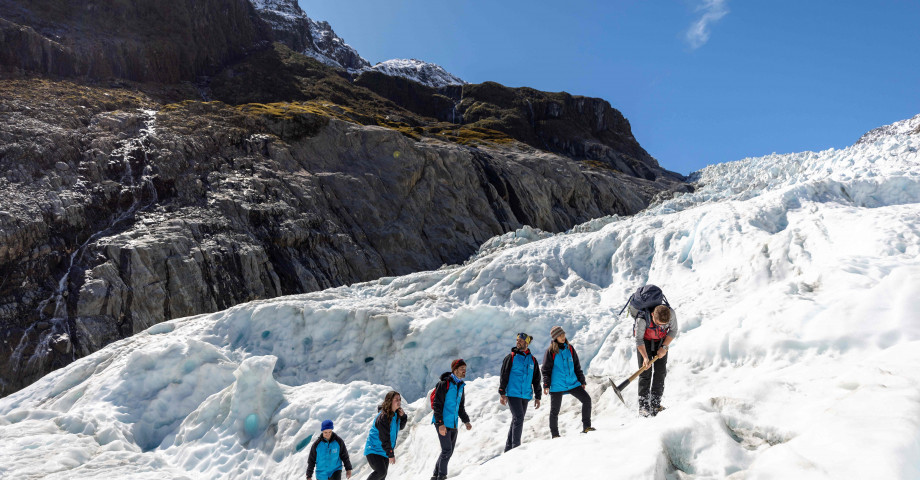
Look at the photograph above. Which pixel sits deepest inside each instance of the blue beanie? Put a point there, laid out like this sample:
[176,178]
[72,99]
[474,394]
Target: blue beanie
[327,425]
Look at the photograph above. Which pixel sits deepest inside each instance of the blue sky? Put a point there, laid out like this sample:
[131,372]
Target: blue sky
[701,81]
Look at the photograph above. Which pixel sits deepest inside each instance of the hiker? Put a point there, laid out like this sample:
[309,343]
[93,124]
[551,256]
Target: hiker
[328,455]
[652,339]
[389,421]
[520,381]
[562,375]
[448,411]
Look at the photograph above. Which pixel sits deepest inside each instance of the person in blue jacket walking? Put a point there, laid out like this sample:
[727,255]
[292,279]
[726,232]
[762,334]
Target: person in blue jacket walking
[448,412]
[328,455]
[381,439]
[562,375]
[519,382]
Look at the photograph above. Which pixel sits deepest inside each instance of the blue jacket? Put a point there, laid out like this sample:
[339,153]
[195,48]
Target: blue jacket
[448,402]
[327,457]
[520,377]
[382,437]
[562,372]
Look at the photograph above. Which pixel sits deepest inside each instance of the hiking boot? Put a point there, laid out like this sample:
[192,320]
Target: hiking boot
[644,412]
[588,429]
[556,436]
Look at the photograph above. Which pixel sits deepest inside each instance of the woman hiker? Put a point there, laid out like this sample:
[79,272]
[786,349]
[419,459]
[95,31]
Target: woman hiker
[562,375]
[382,438]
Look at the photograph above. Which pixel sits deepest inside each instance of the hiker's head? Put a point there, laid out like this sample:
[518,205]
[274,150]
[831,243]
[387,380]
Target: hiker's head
[523,340]
[557,334]
[391,402]
[661,315]
[327,429]
[458,368]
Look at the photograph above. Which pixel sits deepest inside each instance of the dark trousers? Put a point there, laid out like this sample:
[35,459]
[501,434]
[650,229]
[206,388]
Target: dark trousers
[555,403]
[448,442]
[518,408]
[380,464]
[651,381]
[337,475]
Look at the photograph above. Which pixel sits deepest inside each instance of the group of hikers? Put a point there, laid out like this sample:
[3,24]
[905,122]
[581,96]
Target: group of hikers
[521,380]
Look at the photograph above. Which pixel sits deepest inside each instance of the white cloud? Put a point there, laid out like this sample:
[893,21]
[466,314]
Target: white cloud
[713,10]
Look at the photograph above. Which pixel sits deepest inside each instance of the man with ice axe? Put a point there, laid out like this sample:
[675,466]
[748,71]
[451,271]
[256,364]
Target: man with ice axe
[652,338]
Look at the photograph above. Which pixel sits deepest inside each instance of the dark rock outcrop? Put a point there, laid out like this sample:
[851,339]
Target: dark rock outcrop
[120,213]
[158,41]
[578,127]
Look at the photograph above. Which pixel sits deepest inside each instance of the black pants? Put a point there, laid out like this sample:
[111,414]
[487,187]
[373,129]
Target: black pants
[651,381]
[448,442]
[518,408]
[555,403]
[380,464]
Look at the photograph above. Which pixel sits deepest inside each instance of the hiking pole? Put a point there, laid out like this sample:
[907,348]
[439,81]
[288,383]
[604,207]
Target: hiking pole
[619,388]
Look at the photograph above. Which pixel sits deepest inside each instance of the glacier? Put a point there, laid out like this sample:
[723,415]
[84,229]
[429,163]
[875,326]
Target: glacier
[796,278]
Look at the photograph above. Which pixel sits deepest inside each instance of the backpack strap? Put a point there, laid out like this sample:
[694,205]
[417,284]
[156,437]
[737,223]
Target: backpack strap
[627,304]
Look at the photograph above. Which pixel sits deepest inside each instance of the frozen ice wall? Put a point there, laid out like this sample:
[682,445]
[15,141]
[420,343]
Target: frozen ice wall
[795,277]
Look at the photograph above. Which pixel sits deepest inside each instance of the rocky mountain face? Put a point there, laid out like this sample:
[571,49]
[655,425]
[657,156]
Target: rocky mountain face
[162,41]
[291,26]
[126,200]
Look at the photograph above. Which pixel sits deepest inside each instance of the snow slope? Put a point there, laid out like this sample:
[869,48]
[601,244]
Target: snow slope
[422,72]
[796,279]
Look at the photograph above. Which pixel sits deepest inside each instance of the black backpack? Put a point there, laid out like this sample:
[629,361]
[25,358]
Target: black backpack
[641,303]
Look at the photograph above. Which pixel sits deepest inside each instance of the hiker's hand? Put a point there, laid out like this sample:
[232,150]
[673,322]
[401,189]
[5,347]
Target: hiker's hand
[536,403]
[645,363]
[504,400]
[469,426]
[348,472]
[545,390]
[400,411]
[442,430]
[393,459]
[662,351]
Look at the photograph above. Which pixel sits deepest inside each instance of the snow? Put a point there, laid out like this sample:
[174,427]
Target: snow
[796,278]
[422,72]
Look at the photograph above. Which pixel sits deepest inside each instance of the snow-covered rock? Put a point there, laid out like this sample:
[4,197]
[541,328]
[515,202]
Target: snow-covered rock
[904,127]
[315,39]
[318,40]
[422,72]
[796,279]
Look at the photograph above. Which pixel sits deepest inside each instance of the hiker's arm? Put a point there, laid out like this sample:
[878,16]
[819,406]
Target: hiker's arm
[644,355]
[311,460]
[462,412]
[580,375]
[547,369]
[439,404]
[505,375]
[383,431]
[536,380]
[343,455]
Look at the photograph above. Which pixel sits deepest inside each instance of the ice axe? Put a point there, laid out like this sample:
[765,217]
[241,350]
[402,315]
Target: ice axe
[619,388]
